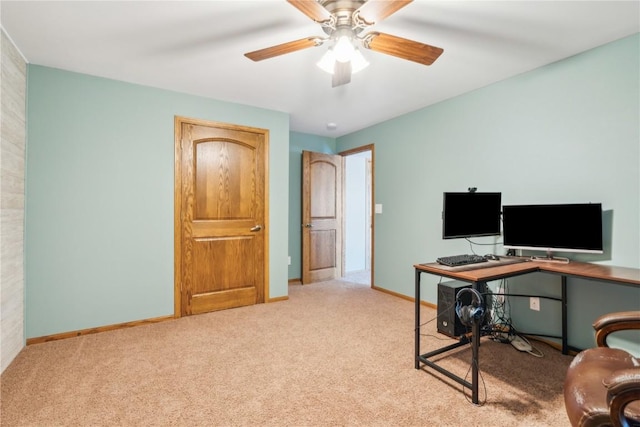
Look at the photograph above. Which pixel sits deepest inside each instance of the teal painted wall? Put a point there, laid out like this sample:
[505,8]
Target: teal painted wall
[299,142]
[567,132]
[99,190]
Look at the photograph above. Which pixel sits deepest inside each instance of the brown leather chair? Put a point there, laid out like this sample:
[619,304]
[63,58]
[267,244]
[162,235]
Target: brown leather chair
[602,386]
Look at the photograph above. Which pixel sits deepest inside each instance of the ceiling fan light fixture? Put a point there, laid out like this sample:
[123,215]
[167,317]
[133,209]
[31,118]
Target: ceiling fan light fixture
[358,62]
[327,61]
[343,21]
[344,49]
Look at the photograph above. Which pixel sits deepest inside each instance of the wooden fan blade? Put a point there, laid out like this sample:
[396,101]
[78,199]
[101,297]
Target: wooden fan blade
[312,9]
[402,48]
[375,11]
[341,73]
[281,49]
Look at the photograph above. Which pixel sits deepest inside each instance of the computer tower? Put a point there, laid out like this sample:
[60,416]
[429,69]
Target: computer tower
[448,322]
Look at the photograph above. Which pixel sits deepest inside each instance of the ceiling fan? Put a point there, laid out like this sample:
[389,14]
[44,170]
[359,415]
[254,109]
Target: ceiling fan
[343,21]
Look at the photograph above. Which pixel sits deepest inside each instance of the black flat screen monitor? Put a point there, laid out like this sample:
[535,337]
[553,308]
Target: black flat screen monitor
[559,227]
[470,215]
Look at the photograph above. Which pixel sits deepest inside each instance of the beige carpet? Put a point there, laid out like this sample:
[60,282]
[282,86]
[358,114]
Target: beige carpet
[335,354]
[362,277]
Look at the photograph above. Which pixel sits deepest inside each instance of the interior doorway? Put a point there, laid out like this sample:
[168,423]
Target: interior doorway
[358,215]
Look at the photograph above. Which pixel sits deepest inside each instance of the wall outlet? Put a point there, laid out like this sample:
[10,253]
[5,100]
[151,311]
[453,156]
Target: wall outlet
[534,303]
[289,261]
[500,291]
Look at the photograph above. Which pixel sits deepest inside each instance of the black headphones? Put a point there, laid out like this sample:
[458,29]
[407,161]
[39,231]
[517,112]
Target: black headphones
[468,313]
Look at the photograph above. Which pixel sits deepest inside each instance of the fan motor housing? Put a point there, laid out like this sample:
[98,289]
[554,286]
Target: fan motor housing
[334,6]
[343,13]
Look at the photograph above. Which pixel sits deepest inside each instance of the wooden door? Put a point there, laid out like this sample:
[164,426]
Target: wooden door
[321,216]
[220,216]
[368,215]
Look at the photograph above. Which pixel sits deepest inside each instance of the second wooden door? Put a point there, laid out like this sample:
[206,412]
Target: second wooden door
[321,216]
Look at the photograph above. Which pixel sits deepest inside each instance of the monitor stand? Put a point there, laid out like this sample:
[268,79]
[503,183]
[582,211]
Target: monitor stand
[550,258]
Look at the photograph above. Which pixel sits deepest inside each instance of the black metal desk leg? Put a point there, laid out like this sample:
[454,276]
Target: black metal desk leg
[475,346]
[565,345]
[417,320]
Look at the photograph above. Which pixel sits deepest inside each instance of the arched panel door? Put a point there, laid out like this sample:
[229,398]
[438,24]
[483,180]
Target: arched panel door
[321,216]
[220,216]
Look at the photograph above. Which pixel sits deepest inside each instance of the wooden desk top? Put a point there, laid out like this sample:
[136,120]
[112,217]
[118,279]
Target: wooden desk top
[607,273]
[486,273]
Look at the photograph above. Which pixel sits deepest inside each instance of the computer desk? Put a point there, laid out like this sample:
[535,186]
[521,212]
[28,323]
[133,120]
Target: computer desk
[478,276]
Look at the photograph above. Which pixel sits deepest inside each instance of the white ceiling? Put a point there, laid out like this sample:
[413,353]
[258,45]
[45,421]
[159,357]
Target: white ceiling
[197,47]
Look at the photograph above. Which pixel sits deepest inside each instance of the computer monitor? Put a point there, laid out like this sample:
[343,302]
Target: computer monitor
[470,214]
[554,227]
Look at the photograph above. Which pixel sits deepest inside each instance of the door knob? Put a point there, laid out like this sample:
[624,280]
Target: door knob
[256,228]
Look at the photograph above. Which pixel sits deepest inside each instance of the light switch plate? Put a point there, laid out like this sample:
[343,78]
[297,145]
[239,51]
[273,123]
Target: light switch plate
[534,303]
